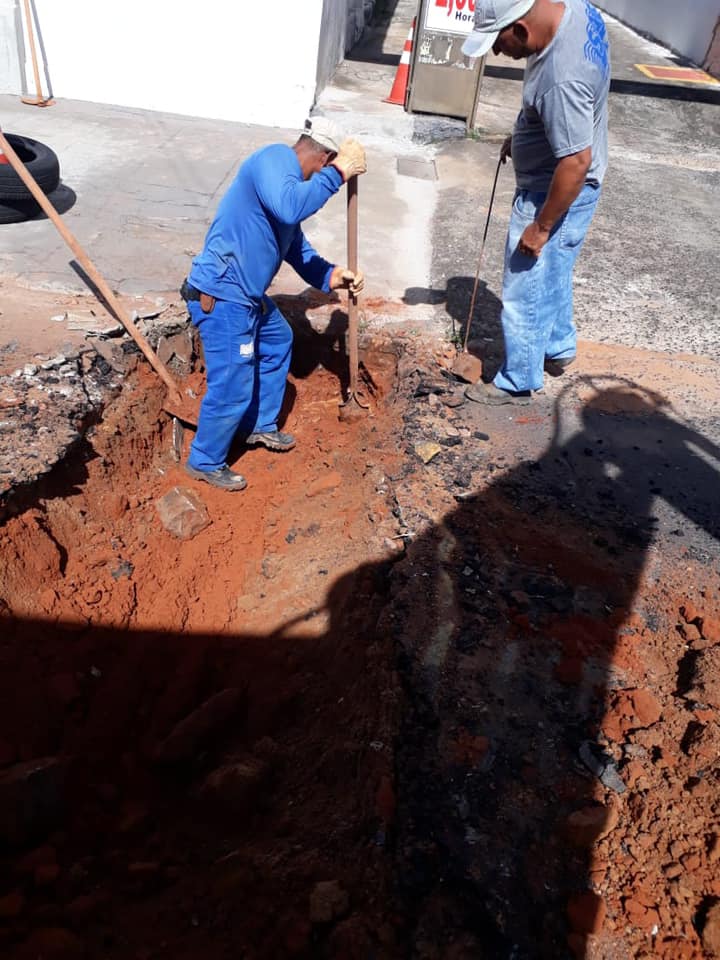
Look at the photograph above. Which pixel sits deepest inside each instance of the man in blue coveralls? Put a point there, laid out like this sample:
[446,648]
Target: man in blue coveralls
[246,340]
[559,148]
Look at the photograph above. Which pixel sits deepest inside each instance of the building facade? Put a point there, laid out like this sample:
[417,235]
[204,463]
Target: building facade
[688,28]
[254,61]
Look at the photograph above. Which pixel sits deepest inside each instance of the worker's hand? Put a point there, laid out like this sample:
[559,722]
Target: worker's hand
[533,240]
[506,150]
[344,279]
[350,161]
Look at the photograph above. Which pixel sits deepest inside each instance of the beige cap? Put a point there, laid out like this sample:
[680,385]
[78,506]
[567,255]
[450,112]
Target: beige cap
[324,132]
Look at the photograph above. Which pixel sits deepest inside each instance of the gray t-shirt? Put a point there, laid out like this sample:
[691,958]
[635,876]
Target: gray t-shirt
[565,100]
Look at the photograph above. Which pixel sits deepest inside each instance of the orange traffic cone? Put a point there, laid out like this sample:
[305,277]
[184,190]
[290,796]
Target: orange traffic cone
[399,88]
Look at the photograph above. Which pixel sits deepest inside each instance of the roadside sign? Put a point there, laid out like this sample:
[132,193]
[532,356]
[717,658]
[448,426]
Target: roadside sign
[450,16]
[443,81]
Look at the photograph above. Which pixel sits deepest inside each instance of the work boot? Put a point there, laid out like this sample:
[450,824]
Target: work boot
[557,367]
[490,394]
[224,478]
[273,440]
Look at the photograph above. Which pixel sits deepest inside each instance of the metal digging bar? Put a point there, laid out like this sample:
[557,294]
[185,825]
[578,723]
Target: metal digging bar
[352,402]
[466,366]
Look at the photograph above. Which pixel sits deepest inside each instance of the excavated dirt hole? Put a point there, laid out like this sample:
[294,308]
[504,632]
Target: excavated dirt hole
[292,737]
[195,735]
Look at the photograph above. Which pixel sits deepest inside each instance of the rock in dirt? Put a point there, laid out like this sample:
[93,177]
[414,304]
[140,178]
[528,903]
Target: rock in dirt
[11,905]
[40,857]
[705,682]
[646,707]
[453,400]
[711,931]
[325,484]
[630,710]
[586,826]
[182,513]
[427,451]
[31,799]
[690,612]
[237,785]
[328,901]
[702,742]
[52,943]
[196,729]
[428,387]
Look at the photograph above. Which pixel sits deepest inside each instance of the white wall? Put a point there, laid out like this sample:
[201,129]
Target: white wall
[249,60]
[343,22]
[10,67]
[685,26]
[332,41]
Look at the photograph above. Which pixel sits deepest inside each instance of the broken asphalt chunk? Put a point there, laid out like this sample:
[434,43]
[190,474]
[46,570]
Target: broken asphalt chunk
[602,765]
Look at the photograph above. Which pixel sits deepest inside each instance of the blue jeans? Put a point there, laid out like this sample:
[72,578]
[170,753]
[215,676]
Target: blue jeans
[537,315]
[247,358]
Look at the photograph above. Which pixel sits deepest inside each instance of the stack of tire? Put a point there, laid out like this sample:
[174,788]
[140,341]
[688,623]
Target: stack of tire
[16,201]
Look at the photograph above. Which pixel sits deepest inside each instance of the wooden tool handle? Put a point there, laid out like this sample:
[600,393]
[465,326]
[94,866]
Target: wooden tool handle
[89,267]
[352,255]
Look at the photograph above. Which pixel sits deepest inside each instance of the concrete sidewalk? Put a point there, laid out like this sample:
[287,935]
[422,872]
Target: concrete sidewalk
[147,185]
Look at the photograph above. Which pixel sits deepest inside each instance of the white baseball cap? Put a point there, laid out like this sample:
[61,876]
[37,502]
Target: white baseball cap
[324,132]
[492,16]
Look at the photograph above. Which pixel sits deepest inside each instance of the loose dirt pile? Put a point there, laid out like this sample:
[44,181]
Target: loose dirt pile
[440,684]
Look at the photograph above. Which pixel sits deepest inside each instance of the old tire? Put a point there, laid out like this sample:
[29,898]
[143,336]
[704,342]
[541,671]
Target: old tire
[41,162]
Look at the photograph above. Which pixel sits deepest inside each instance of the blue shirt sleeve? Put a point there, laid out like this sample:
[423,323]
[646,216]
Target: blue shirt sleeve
[285,195]
[305,259]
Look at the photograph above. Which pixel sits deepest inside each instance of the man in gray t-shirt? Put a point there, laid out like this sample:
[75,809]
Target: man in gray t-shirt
[559,149]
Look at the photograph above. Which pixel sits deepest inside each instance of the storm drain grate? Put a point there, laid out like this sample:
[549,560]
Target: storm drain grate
[419,169]
[676,74]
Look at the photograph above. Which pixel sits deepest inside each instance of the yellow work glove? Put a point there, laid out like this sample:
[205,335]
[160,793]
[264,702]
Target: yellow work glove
[344,278]
[350,161]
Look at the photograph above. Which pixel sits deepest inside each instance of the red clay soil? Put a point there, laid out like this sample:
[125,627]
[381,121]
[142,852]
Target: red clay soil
[211,724]
[292,737]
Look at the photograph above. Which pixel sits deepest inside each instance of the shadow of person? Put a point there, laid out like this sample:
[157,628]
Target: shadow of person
[319,323]
[486,338]
[504,621]
[507,617]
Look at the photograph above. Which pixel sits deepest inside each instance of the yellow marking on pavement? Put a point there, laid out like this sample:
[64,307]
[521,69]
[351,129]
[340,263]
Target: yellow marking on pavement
[659,71]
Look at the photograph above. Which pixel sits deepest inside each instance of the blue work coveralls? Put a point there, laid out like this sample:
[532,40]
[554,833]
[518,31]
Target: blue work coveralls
[246,340]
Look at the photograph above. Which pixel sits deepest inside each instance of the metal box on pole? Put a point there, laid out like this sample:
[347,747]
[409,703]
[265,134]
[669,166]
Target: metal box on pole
[442,80]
